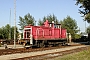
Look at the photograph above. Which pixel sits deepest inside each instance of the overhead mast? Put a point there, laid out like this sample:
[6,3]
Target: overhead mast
[15,23]
[10,25]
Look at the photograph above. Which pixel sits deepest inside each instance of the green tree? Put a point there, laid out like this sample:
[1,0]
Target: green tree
[88,29]
[85,9]
[12,32]
[40,22]
[1,33]
[4,34]
[5,31]
[70,24]
[26,20]
[50,18]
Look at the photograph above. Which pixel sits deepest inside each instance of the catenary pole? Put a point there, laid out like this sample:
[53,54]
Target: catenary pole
[10,25]
[15,23]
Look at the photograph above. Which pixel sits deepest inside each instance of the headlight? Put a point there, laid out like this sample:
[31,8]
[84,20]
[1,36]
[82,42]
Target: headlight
[1,42]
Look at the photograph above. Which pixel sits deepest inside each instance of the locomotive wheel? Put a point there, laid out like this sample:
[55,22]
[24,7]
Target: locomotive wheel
[50,45]
[24,44]
[38,44]
[59,44]
[54,44]
[42,45]
[63,43]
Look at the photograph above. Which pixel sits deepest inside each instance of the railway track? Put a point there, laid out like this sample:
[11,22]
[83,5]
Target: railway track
[40,53]
[25,50]
[51,56]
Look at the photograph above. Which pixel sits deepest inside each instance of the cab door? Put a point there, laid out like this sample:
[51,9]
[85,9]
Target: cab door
[27,32]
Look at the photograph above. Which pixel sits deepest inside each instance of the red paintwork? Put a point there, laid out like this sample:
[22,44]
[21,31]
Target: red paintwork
[45,32]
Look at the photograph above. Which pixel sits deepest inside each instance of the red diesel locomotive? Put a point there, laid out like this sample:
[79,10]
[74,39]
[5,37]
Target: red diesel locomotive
[48,34]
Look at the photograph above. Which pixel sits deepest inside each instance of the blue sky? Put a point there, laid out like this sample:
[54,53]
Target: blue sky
[38,9]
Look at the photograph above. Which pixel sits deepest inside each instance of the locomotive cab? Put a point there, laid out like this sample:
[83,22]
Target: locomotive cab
[52,25]
[28,35]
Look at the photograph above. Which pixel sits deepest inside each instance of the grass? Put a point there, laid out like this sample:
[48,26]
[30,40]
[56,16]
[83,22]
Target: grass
[83,55]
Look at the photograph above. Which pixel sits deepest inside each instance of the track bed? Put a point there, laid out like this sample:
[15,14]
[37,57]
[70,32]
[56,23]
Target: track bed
[22,53]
